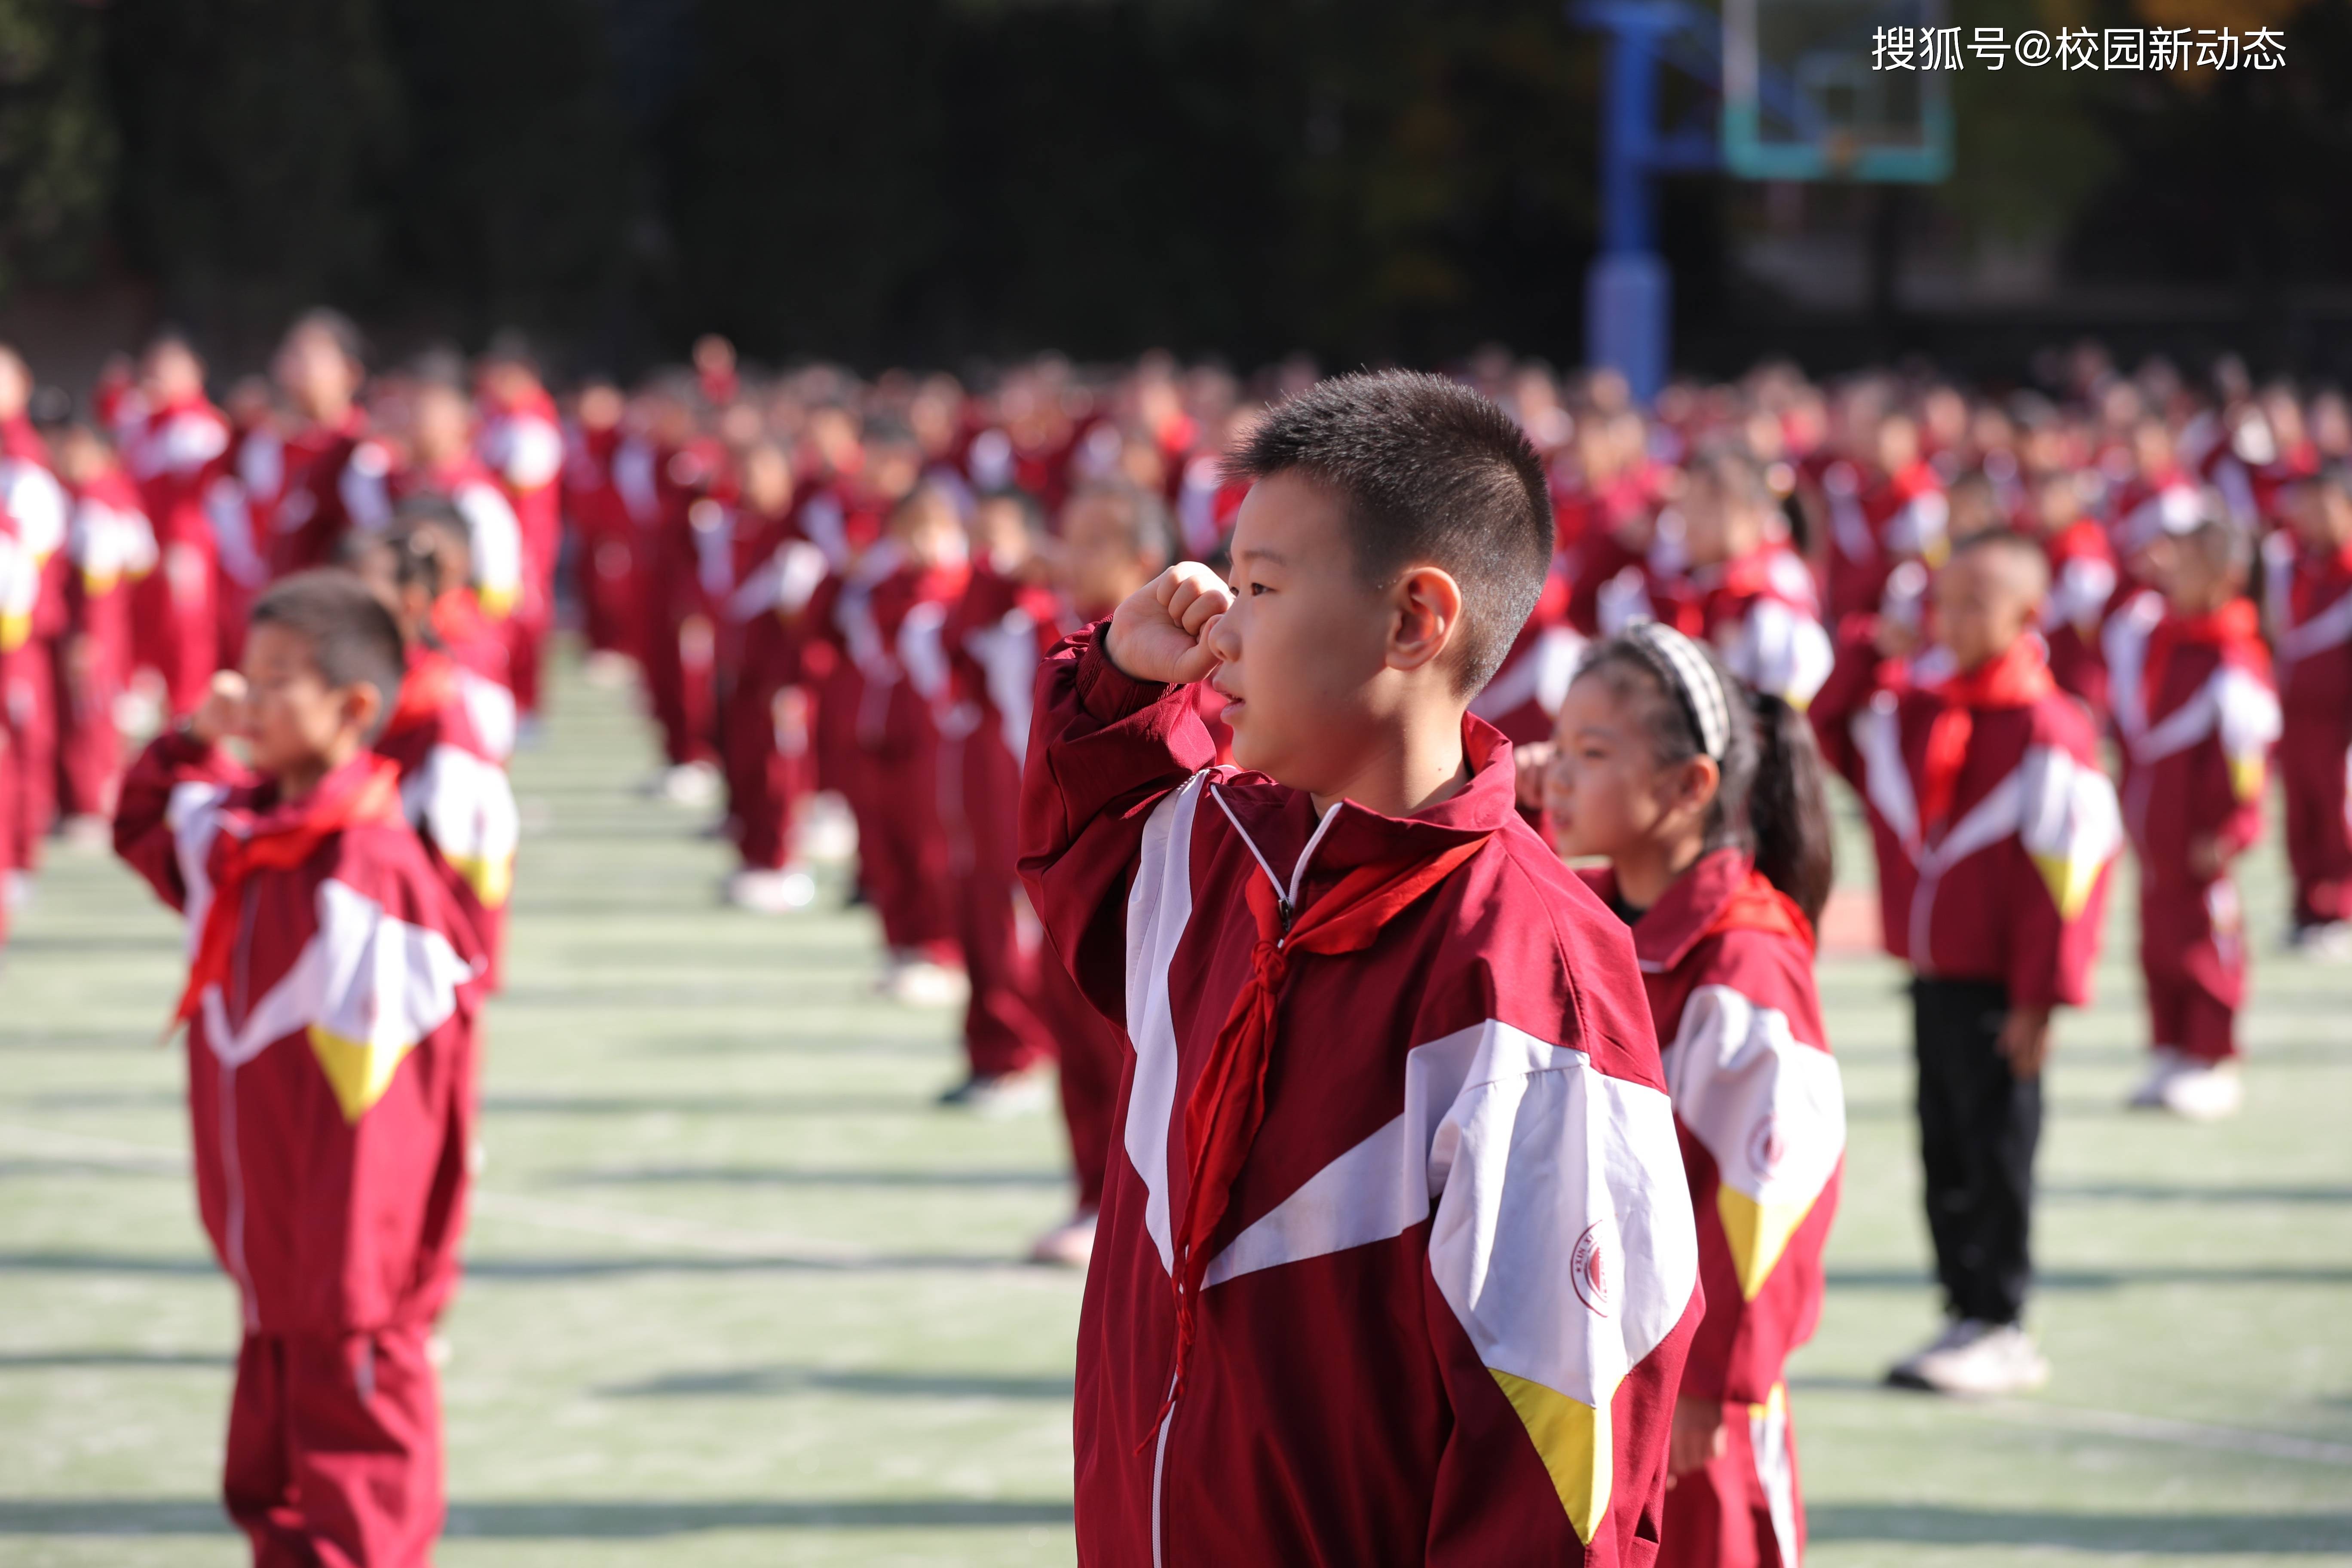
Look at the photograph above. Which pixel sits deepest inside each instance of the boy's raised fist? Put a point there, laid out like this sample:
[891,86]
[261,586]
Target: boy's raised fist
[222,711]
[1156,632]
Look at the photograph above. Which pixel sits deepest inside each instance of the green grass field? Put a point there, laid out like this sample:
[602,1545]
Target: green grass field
[738,1294]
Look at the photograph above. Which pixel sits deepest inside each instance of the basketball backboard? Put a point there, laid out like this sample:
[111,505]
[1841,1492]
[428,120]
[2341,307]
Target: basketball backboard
[1804,98]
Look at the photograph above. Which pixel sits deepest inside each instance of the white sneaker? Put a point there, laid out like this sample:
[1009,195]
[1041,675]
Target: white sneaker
[607,670]
[87,833]
[2163,1062]
[1069,1245]
[687,783]
[1001,1095]
[2204,1092]
[826,830]
[16,891]
[920,983]
[1974,1359]
[771,892]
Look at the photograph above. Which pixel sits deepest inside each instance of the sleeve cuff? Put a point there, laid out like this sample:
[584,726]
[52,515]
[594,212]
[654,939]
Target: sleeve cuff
[1106,692]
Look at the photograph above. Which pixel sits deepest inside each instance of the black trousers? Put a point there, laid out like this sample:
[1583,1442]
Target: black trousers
[1979,1125]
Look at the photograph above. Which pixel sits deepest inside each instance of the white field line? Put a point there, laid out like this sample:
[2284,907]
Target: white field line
[2164,1429]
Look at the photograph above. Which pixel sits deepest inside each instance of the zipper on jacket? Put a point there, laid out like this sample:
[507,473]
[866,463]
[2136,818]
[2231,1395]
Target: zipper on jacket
[1159,1470]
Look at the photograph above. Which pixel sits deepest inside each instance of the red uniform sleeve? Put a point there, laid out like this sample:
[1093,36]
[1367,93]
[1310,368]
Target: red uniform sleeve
[143,830]
[1102,749]
[1856,676]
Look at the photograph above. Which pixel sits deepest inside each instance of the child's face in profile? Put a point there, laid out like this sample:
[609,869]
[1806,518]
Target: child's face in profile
[1304,642]
[295,725]
[1600,789]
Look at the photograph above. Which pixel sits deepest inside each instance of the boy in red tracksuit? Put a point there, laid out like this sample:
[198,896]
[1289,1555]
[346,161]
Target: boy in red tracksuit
[890,620]
[330,477]
[2310,606]
[995,638]
[453,782]
[522,446]
[1995,830]
[33,524]
[766,724]
[2082,581]
[1706,799]
[331,1010]
[443,467]
[110,547]
[2197,713]
[178,444]
[1897,513]
[599,521]
[1747,594]
[1395,1263]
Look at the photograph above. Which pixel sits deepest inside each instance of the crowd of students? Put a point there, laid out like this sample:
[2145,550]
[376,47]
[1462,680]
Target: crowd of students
[1150,685]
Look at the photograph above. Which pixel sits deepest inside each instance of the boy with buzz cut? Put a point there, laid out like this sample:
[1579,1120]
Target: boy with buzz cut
[331,1004]
[1395,1262]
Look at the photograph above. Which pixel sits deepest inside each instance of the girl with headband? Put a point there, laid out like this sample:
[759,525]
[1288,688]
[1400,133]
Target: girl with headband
[1707,801]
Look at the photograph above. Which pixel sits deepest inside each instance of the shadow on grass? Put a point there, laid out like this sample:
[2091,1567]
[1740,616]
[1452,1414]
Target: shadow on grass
[600,1521]
[760,1381]
[2183,1535]
[528,1268]
[44,1361]
[2155,1193]
[783,1176]
[2106,1279]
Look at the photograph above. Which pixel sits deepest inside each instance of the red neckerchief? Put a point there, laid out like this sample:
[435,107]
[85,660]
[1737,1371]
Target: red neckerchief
[1228,1101]
[1757,905]
[364,791]
[425,691]
[457,618]
[20,440]
[2235,624]
[2018,678]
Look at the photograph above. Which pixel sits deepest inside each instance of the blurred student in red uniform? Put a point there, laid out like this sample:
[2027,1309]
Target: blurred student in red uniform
[669,473]
[331,1008]
[2083,583]
[768,722]
[1983,789]
[2197,713]
[34,520]
[2310,601]
[1746,593]
[109,547]
[604,545]
[332,478]
[522,446]
[1706,801]
[173,446]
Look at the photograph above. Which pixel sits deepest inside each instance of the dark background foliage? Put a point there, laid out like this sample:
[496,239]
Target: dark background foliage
[932,179]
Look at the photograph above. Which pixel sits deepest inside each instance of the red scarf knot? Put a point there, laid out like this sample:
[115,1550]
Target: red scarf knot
[2018,677]
[365,791]
[1228,1100]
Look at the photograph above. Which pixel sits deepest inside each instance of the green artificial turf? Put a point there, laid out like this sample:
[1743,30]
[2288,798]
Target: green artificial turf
[738,1294]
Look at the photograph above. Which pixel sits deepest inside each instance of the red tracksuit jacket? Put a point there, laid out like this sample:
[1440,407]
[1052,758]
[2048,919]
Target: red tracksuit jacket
[2197,714]
[2013,888]
[1444,1314]
[454,792]
[1761,1110]
[2083,579]
[332,1074]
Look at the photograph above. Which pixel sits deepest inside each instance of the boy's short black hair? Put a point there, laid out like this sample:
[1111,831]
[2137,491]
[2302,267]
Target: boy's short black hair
[1430,473]
[2021,548]
[351,635]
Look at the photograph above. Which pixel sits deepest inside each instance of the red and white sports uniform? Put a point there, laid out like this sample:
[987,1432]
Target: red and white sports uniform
[332,480]
[768,729]
[2311,598]
[1440,1264]
[1761,1110]
[34,520]
[2196,715]
[522,446]
[454,792]
[606,558]
[330,1005]
[493,536]
[681,529]
[172,454]
[1985,796]
[1876,523]
[110,547]
[1760,612]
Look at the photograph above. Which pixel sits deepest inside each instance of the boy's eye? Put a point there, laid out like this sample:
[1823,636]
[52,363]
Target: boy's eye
[1256,589]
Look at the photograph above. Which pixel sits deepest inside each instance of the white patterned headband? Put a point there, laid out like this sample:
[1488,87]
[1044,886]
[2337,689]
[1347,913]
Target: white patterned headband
[1695,682]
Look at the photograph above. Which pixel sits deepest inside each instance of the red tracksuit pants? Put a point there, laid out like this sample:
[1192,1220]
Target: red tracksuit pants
[1744,1509]
[28,709]
[605,565]
[980,785]
[766,742]
[89,678]
[902,845]
[334,1450]
[2192,952]
[176,628]
[1093,1061]
[680,661]
[534,617]
[2314,763]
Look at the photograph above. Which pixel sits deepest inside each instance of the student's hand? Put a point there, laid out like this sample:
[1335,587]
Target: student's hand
[1532,759]
[2208,857]
[2025,1040]
[223,709]
[1897,638]
[1698,1439]
[1155,635]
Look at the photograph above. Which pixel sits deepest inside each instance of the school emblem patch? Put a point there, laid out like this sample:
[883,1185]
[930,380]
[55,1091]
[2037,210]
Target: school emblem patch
[1593,1266]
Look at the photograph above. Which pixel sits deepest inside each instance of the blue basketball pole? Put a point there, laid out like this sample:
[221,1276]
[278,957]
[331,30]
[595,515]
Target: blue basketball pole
[1628,293]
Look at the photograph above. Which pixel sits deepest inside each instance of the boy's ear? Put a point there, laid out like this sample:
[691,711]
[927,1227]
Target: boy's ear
[1427,605]
[363,706]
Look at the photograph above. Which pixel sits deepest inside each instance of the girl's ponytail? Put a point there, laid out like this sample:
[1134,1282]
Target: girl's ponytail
[1788,807]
